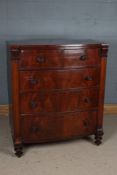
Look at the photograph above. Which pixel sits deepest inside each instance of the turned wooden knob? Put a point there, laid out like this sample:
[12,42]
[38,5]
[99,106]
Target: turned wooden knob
[40,59]
[34,129]
[33,81]
[85,123]
[88,78]
[33,104]
[86,100]
[83,57]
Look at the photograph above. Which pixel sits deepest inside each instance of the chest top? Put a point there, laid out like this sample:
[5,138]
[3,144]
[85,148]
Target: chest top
[58,48]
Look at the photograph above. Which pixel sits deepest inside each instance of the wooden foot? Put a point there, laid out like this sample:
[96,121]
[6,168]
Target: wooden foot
[98,136]
[18,150]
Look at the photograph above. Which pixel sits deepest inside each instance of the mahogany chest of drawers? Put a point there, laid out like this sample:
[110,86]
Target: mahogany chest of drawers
[56,91]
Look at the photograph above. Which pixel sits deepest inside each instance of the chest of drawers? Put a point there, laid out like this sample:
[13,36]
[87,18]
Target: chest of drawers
[56,91]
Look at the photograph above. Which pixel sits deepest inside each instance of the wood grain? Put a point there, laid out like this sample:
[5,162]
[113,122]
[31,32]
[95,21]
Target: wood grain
[62,101]
[59,79]
[69,58]
[64,126]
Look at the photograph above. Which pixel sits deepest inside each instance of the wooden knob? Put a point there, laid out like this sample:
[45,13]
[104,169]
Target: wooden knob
[86,100]
[85,123]
[33,104]
[83,57]
[40,59]
[34,129]
[33,81]
[88,78]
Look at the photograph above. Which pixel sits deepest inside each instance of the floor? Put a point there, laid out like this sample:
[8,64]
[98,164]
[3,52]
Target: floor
[78,157]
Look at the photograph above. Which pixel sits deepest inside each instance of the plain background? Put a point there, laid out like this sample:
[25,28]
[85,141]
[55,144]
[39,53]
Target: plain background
[76,19]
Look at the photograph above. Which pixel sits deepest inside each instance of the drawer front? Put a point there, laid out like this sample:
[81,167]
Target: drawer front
[38,59]
[63,101]
[81,57]
[46,128]
[59,79]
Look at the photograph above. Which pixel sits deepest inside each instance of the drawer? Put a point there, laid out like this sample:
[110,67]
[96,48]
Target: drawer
[81,57]
[50,128]
[59,101]
[56,58]
[59,79]
[36,58]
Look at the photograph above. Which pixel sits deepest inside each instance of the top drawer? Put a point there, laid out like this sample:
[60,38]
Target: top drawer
[56,58]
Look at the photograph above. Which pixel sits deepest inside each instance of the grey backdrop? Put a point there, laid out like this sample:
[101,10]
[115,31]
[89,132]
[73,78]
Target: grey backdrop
[93,19]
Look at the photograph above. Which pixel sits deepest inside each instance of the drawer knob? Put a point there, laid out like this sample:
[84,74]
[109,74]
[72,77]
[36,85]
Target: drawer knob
[40,59]
[33,81]
[88,78]
[85,123]
[33,104]
[83,57]
[87,100]
[34,129]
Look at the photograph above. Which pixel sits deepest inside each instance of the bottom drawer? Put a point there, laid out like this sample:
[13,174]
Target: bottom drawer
[55,127]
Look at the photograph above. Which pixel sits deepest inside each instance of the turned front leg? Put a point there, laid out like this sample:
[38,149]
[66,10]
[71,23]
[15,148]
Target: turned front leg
[18,150]
[98,136]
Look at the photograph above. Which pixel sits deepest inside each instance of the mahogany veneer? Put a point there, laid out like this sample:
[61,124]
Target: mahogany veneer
[59,79]
[56,91]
